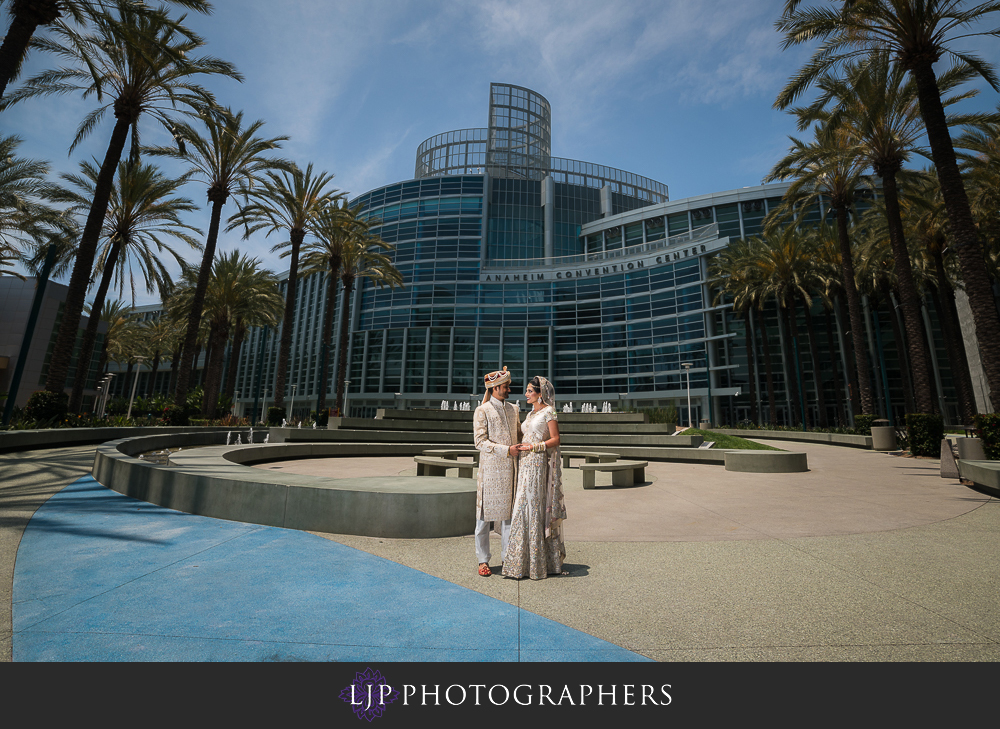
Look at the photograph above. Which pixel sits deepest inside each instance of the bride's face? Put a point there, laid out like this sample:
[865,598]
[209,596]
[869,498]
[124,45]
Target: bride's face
[531,394]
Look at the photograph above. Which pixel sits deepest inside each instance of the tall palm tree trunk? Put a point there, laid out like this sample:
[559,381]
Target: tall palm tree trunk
[189,348]
[838,395]
[789,353]
[852,370]
[965,240]
[814,355]
[175,361]
[234,359]
[345,338]
[944,302]
[297,235]
[192,369]
[854,311]
[79,282]
[769,372]
[331,301]
[909,299]
[748,343]
[213,369]
[26,16]
[90,334]
[902,348]
[151,385]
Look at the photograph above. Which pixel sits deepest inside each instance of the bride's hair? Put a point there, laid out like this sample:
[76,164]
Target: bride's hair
[537,384]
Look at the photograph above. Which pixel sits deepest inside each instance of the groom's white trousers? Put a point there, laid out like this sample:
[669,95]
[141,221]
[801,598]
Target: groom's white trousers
[483,540]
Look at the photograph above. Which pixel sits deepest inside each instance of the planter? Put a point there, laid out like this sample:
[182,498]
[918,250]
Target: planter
[883,438]
[971,449]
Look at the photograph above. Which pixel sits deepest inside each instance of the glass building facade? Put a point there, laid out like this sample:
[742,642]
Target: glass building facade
[582,273]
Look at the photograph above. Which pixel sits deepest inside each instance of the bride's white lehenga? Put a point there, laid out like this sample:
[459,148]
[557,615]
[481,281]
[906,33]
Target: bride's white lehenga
[535,548]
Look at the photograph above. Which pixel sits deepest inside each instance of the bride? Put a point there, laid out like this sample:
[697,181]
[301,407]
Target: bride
[535,547]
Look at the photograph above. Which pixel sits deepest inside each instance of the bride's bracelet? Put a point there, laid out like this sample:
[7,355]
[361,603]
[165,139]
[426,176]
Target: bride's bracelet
[538,447]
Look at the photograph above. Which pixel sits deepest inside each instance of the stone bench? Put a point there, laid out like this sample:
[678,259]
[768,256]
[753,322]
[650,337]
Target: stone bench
[432,466]
[623,473]
[452,455]
[588,456]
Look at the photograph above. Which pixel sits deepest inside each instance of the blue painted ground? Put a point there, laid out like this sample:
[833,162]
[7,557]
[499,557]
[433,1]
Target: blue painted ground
[102,577]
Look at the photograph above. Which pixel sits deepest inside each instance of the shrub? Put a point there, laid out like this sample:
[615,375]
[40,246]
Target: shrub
[117,405]
[924,433]
[670,415]
[44,405]
[323,418]
[173,415]
[275,416]
[863,424]
[988,430]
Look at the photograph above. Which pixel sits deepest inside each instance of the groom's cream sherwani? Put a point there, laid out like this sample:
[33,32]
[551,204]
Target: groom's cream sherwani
[496,428]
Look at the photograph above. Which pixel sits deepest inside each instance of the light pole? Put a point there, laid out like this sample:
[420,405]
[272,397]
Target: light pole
[236,404]
[291,409]
[107,391]
[347,385]
[135,383]
[687,368]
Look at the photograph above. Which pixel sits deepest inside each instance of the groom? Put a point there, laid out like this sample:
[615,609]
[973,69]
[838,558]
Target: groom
[497,431]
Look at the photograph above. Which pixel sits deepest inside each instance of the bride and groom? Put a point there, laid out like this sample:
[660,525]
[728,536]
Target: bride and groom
[519,486]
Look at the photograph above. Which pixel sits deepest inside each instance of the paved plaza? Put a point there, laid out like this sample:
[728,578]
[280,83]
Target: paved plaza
[867,556]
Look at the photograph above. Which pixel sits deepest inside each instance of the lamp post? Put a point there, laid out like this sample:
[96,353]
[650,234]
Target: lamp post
[107,390]
[236,404]
[687,368]
[347,410]
[291,409]
[135,383]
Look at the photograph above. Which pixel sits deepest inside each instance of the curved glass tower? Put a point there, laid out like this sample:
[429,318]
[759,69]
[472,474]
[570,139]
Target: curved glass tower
[583,273]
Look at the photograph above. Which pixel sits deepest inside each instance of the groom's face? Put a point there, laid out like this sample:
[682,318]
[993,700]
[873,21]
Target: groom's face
[500,392]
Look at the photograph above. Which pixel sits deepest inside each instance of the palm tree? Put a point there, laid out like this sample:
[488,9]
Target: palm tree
[143,211]
[829,169]
[338,225]
[981,170]
[121,336]
[137,65]
[27,221]
[241,295]
[877,104]
[828,275]
[917,35]
[228,159]
[361,258]
[787,274]
[926,226]
[162,336]
[731,272]
[293,201]
[27,15]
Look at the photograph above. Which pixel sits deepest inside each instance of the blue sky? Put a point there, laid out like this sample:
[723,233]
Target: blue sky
[677,91]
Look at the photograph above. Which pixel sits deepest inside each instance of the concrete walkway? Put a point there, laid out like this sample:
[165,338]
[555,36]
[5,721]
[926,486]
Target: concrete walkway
[866,557]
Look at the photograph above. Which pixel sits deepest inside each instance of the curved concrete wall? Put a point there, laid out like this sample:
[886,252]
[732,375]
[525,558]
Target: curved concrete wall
[12,440]
[213,481]
[838,439]
[766,461]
